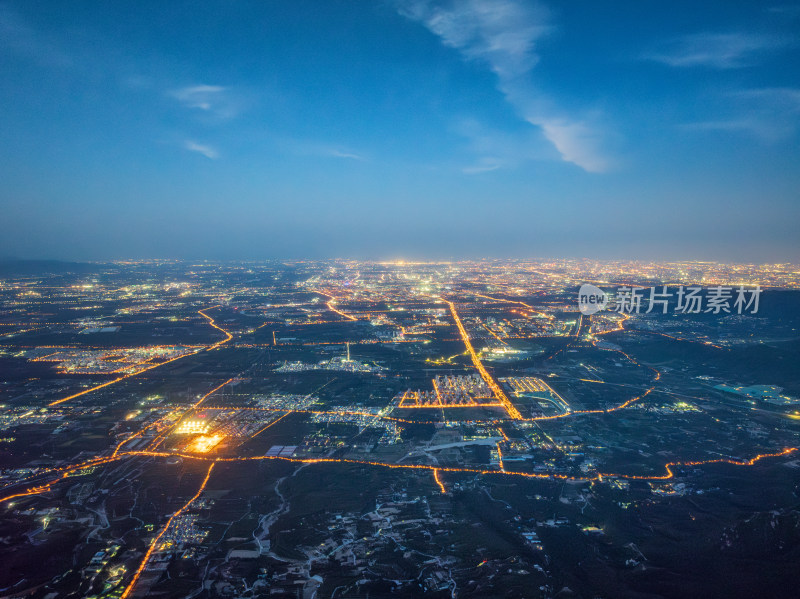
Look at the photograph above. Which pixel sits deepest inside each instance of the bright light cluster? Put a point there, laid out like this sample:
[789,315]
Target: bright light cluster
[205,443]
[192,427]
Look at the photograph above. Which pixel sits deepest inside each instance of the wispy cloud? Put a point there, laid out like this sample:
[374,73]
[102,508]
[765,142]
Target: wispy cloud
[204,149]
[502,34]
[790,11]
[204,97]
[216,100]
[337,153]
[768,114]
[322,149]
[580,142]
[715,50]
[776,99]
[753,126]
[501,149]
[484,165]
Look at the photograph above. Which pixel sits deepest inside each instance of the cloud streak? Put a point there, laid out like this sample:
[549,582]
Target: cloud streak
[337,153]
[501,149]
[216,100]
[204,149]
[715,50]
[322,149]
[769,114]
[502,34]
[784,100]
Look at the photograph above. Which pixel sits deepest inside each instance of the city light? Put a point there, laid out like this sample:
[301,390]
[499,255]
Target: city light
[204,443]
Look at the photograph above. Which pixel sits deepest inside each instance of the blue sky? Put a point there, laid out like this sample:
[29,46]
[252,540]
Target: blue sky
[408,128]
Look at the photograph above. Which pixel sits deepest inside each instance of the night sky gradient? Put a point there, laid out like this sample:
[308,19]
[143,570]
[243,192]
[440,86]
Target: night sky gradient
[400,129]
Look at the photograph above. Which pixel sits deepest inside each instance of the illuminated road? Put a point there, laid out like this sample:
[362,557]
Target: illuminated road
[508,301]
[498,392]
[438,480]
[211,321]
[38,485]
[64,472]
[332,309]
[154,544]
[669,466]
[495,335]
[500,458]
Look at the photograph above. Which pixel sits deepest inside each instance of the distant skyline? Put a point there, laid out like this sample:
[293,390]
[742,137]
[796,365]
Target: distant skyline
[396,129]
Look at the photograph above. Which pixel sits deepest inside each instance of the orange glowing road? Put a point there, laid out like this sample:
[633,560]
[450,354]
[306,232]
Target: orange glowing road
[161,454]
[154,544]
[508,301]
[656,377]
[332,309]
[500,458]
[495,335]
[536,475]
[405,406]
[438,480]
[209,394]
[620,326]
[258,432]
[213,323]
[139,433]
[498,392]
[64,473]
[435,469]
[621,406]
[669,465]
[227,338]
